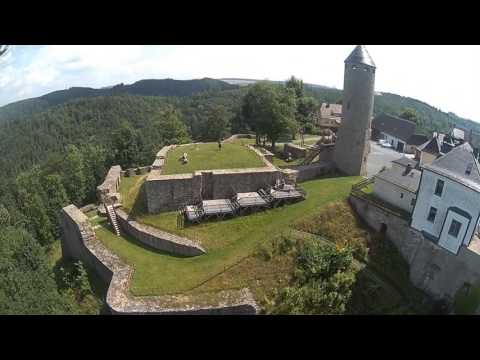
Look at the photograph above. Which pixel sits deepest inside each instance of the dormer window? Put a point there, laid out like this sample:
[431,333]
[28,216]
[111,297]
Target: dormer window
[469,169]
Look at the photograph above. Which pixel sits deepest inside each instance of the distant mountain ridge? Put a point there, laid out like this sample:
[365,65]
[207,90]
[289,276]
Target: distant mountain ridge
[148,87]
[433,119]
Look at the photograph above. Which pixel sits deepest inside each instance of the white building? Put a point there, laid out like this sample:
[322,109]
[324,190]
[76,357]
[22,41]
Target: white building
[398,186]
[447,208]
[396,131]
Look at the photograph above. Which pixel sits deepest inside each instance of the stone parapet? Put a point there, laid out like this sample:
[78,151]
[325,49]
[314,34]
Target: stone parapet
[110,184]
[158,239]
[79,242]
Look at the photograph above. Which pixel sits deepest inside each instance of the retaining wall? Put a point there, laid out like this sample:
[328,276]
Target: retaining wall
[170,192]
[433,269]
[296,150]
[79,242]
[313,171]
[158,239]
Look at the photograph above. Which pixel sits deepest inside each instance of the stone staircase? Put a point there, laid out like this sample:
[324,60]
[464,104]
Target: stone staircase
[314,151]
[112,217]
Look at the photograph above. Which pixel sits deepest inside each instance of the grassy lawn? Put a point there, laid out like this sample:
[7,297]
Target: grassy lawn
[208,157]
[280,162]
[467,303]
[230,246]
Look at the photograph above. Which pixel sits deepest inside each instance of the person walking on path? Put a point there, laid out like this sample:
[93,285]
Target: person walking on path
[219,145]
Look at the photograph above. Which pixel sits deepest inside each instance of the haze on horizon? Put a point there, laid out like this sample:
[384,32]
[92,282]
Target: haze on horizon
[443,76]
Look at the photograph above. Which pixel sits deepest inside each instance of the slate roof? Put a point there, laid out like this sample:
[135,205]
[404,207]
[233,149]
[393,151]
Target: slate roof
[458,134]
[394,126]
[360,55]
[432,146]
[405,161]
[454,165]
[330,110]
[397,177]
[417,139]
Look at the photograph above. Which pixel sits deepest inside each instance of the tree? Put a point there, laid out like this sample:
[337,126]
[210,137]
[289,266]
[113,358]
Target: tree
[27,285]
[324,277]
[172,129]
[296,85]
[33,202]
[126,145]
[215,122]
[269,110]
[74,175]
[410,114]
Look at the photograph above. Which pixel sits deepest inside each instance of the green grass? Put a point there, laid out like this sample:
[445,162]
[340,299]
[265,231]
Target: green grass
[209,157]
[467,303]
[281,162]
[228,243]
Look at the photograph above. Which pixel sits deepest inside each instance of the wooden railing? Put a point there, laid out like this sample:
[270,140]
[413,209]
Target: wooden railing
[358,191]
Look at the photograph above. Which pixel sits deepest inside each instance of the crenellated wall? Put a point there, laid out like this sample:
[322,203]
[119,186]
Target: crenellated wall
[79,242]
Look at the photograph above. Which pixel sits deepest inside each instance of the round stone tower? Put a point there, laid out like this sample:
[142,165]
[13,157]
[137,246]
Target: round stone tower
[352,144]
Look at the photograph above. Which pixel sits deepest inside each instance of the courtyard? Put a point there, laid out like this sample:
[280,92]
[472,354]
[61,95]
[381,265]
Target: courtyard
[229,244]
[208,156]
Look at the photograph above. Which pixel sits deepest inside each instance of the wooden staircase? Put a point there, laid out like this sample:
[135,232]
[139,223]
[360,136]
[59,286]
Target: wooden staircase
[112,217]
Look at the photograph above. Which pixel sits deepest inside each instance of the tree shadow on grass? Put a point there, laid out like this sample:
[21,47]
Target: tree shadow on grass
[140,205]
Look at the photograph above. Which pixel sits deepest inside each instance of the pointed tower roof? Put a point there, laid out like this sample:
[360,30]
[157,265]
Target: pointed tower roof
[360,55]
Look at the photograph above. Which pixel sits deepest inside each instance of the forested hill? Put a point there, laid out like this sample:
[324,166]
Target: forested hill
[153,87]
[430,118]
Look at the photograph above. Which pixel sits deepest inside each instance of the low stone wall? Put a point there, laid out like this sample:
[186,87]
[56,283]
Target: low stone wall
[136,171]
[79,242]
[313,171]
[110,184]
[296,150]
[158,239]
[432,268]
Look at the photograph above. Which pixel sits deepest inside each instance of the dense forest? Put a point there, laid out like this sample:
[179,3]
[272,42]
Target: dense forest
[57,148]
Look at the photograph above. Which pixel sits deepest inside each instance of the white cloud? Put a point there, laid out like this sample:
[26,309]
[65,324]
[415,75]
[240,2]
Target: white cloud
[443,76]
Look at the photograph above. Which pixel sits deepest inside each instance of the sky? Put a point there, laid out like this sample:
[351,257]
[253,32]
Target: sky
[446,77]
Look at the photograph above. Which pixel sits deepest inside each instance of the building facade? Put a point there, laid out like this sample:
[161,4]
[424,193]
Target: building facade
[352,144]
[398,186]
[447,209]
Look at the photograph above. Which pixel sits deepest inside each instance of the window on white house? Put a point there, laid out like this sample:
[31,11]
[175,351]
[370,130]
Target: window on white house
[455,227]
[439,187]
[412,202]
[401,195]
[431,214]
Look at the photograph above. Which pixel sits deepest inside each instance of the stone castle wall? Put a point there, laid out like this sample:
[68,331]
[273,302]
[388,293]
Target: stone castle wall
[171,192]
[313,171]
[108,190]
[296,150]
[80,243]
[158,239]
[432,269]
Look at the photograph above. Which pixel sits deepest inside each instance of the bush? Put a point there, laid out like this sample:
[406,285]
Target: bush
[323,280]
